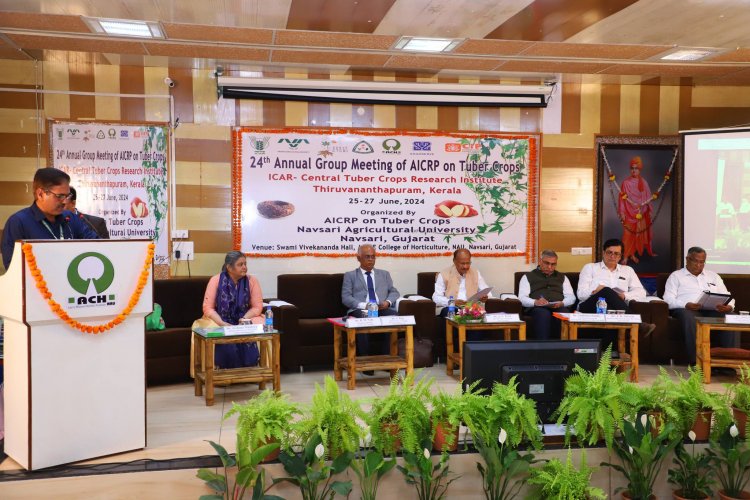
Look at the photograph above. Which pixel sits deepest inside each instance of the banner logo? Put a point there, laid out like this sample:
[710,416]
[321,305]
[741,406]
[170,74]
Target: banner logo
[362,147]
[422,146]
[259,144]
[392,146]
[91,269]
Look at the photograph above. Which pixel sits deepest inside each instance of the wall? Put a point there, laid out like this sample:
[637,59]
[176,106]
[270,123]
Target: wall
[203,146]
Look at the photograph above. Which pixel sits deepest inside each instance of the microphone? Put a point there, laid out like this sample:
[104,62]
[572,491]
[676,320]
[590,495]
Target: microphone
[67,224]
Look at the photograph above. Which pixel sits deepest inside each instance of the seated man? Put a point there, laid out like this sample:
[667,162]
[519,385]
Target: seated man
[542,292]
[616,283]
[684,287]
[367,284]
[459,281]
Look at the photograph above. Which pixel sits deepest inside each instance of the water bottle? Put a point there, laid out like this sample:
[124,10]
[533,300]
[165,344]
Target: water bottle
[372,309]
[268,324]
[601,306]
[451,307]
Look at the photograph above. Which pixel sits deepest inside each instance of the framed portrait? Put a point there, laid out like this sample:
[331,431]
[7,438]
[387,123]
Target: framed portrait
[637,199]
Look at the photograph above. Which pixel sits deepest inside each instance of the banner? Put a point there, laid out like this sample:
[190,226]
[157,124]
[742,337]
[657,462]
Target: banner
[119,173]
[323,193]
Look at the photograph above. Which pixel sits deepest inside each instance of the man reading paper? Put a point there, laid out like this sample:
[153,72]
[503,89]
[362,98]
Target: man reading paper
[682,291]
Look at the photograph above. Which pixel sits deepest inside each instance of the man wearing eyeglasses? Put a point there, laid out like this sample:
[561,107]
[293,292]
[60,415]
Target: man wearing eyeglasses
[367,284]
[685,286]
[46,218]
[616,283]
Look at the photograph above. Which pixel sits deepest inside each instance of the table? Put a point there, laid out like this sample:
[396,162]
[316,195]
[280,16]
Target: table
[354,363]
[268,369]
[457,357]
[703,327]
[569,331]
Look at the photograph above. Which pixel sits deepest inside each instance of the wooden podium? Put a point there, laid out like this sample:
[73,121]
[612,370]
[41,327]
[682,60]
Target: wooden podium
[72,395]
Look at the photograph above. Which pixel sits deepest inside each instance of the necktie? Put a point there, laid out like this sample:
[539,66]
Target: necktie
[370,288]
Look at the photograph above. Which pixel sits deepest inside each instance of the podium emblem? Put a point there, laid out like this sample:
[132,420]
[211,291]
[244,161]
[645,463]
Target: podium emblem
[91,269]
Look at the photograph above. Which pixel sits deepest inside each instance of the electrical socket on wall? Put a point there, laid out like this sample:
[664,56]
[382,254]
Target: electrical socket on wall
[580,251]
[185,249]
[179,234]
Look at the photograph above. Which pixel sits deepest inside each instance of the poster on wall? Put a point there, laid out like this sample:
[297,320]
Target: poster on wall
[323,193]
[120,174]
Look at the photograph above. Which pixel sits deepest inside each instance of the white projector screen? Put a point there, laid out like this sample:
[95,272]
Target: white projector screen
[717,197]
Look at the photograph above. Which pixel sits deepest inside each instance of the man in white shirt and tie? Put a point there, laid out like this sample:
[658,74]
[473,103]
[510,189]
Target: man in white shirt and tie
[681,292]
[616,283]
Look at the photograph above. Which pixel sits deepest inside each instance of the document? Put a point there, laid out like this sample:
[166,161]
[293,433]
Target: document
[479,294]
[709,300]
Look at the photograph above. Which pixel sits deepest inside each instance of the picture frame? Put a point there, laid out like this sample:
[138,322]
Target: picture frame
[638,200]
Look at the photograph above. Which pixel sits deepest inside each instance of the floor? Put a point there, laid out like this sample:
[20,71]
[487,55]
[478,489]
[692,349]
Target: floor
[179,425]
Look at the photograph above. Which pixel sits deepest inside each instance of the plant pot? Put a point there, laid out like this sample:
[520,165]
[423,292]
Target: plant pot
[441,433]
[393,430]
[724,496]
[702,425]
[740,417]
[274,454]
[677,495]
[626,495]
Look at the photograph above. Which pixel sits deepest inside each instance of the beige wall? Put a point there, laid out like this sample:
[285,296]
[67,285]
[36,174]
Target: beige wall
[203,146]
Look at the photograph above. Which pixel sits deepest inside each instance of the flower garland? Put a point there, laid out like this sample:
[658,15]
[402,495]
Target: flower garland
[614,186]
[41,285]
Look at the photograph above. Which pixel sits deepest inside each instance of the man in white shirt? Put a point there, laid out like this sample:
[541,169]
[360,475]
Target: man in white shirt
[682,290]
[616,283]
[459,281]
[542,292]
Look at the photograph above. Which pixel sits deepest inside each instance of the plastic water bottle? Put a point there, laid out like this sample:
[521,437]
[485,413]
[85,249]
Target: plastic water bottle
[268,324]
[451,307]
[601,306]
[372,309]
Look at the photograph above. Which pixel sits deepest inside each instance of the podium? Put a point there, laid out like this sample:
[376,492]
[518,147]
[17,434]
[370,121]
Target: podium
[70,394]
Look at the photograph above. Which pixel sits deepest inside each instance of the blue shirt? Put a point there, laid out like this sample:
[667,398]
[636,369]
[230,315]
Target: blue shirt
[31,224]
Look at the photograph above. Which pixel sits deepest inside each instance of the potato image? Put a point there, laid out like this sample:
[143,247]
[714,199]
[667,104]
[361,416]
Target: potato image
[275,209]
[453,208]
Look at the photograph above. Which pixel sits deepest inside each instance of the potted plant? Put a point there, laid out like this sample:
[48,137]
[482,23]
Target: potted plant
[264,419]
[332,415]
[691,406]
[498,428]
[370,466]
[652,400]
[401,418]
[309,471]
[471,312]
[692,474]
[739,395]
[641,455]
[563,481]
[448,412]
[730,456]
[593,404]
[430,480]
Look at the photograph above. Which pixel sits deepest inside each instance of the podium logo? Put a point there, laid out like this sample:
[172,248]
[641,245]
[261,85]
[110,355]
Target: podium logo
[91,274]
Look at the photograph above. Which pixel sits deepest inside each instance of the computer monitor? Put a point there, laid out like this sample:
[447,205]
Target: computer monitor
[540,366]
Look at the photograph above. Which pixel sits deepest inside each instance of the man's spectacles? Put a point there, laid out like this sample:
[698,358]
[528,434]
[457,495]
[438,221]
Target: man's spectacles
[612,253]
[60,196]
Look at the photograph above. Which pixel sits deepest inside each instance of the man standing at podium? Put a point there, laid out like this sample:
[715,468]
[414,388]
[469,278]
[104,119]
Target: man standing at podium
[46,218]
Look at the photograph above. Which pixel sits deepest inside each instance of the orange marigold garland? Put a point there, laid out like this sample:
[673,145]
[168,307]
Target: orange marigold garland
[41,285]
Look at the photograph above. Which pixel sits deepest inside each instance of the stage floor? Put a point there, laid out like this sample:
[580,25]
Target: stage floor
[178,427]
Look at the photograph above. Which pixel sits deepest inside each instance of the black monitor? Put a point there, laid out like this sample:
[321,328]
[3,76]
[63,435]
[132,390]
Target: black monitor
[541,366]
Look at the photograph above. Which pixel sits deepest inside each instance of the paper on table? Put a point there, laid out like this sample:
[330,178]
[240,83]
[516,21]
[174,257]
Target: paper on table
[709,300]
[479,294]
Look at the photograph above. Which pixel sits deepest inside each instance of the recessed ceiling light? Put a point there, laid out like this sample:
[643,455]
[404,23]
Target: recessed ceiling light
[688,54]
[125,27]
[420,44]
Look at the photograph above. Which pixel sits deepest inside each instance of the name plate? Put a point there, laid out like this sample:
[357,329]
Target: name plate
[623,318]
[397,320]
[587,318]
[501,318]
[243,329]
[362,322]
[737,319]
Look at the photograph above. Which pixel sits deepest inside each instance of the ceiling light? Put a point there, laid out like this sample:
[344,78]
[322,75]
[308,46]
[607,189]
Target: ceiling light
[680,54]
[420,44]
[125,27]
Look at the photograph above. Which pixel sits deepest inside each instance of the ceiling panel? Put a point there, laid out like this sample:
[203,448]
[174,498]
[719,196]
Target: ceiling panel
[325,39]
[43,22]
[218,33]
[554,67]
[438,63]
[330,58]
[355,16]
[594,51]
[493,47]
[207,52]
[91,44]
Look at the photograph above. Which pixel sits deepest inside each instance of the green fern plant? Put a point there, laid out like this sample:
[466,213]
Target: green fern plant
[556,480]
[265,418]
[332,415]
[449,410]
[594,404]
[739,393]
[402,414]
[687,396]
